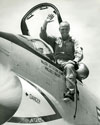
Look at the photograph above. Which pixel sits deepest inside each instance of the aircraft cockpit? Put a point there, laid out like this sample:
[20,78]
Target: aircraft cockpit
[41,47]
[33,20]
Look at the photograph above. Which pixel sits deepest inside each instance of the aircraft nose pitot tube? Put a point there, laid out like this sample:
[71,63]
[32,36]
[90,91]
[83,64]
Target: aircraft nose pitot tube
[10,94]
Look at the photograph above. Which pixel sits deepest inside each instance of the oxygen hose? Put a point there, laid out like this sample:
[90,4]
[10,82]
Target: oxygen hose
[76,94]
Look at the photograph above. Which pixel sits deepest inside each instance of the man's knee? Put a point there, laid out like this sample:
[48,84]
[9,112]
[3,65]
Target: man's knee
[70,72]
[70,69]
[70,66]
[71,76]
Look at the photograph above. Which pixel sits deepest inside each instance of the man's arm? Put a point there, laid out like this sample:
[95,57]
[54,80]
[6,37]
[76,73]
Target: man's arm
[78,52]
[43,34]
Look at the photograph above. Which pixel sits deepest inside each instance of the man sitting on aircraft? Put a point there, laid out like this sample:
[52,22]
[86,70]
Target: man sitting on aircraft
[67,53]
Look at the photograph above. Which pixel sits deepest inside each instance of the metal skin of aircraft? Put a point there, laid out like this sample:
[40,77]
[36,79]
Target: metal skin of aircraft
[32,86]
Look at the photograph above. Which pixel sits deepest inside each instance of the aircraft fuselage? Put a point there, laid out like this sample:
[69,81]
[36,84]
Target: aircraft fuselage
[18,53]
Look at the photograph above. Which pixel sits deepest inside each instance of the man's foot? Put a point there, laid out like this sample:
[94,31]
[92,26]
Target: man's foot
[68,96]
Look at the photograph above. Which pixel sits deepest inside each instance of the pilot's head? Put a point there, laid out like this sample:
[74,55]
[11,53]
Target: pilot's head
[64,29]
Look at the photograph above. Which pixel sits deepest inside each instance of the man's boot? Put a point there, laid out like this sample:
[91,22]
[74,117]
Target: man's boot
[69,95]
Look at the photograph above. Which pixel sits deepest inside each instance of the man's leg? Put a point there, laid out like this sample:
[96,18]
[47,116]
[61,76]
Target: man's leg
[70,81]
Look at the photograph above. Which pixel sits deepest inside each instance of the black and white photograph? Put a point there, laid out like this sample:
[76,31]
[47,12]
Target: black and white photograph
[49,62]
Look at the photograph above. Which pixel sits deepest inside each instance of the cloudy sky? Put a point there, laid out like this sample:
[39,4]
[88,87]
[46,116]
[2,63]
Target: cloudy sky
[84,18]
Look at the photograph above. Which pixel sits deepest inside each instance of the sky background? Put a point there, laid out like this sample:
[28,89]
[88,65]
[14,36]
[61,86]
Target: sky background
[84,18]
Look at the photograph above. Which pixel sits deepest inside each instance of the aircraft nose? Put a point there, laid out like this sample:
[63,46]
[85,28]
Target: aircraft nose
[10,94]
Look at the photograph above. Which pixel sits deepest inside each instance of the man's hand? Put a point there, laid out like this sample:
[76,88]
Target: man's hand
[49,18]
[74,63]
[64,63]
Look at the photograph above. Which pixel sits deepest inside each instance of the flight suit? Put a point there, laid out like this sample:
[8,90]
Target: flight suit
[63,52]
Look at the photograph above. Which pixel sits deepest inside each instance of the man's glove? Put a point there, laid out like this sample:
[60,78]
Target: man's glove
[76,65]
[73,63]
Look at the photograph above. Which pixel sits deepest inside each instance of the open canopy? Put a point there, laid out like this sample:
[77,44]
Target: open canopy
[34,18]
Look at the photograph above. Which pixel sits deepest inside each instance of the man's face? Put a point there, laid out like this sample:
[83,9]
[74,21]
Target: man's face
[64,30]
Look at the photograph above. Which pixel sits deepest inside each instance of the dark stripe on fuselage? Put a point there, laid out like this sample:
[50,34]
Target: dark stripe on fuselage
[39,119]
